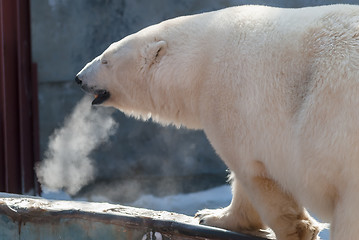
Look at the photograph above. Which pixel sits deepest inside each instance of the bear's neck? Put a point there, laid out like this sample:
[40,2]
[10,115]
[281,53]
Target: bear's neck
[176,105]
[175,96]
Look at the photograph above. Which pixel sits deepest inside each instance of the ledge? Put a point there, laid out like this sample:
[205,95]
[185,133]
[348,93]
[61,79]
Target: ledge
[30,218]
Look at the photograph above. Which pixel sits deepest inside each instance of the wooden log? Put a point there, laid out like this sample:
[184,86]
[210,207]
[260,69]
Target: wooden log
[24,217]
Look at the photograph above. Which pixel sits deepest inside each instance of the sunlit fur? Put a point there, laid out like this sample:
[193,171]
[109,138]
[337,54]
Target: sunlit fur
[277,93]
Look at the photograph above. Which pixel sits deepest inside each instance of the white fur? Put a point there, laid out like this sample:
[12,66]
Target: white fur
[276,92]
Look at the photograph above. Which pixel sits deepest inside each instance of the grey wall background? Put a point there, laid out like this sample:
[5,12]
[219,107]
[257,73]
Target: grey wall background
[66,34]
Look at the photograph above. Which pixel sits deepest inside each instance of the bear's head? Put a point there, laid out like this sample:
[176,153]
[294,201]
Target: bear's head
[120,76]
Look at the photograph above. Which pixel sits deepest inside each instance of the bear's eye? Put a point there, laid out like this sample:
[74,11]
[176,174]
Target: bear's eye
[103,61]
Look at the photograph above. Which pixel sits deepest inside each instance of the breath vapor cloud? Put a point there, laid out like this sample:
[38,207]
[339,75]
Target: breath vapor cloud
[67,164]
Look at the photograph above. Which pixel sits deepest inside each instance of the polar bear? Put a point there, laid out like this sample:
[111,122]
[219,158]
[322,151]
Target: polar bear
[277,93]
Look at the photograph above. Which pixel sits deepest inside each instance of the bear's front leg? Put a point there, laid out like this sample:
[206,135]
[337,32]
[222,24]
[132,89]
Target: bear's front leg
[279,210]
[239,216]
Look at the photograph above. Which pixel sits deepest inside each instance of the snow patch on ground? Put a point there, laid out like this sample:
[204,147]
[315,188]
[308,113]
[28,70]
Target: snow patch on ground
[187,204]
[55,195]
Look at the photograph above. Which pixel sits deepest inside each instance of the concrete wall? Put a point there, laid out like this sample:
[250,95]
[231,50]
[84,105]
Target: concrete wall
[67,34]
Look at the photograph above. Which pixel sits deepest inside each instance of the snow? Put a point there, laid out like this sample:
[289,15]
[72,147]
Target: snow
[55,195]
[187,204]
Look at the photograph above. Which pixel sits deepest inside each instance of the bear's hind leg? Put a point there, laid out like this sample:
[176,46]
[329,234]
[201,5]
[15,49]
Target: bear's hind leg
[239,216]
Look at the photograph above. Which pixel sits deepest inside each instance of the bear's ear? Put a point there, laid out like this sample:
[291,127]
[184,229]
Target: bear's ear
[155,51]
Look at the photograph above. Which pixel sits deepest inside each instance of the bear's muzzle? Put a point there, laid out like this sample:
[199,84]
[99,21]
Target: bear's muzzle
[101,95]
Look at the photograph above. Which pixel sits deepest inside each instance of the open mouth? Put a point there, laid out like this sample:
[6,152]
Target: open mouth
[100,96]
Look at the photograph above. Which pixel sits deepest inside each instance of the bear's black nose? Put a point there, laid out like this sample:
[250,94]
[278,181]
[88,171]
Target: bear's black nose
[78,80]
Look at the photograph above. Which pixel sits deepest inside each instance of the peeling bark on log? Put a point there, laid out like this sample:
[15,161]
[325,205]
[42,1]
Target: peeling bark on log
[36,218]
